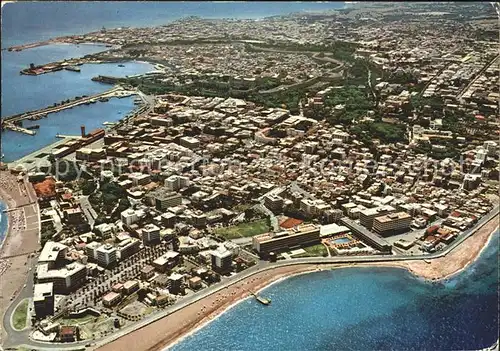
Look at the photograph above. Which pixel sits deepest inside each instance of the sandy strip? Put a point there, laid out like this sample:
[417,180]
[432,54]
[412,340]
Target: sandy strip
[21,238]
[170,329]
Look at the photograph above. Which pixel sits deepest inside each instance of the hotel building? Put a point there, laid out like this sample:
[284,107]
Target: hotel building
[392,223]
[366,216]
[301,235]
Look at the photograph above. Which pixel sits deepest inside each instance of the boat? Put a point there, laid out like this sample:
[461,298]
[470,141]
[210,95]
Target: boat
[72,68]
[103,99]
[262,300]
[35,126]
[120,65]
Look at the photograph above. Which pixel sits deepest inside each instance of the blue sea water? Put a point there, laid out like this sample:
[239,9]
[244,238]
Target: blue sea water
[3,221]
[364,309]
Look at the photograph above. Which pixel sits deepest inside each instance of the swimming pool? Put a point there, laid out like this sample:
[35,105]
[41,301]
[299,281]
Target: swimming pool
[343,240]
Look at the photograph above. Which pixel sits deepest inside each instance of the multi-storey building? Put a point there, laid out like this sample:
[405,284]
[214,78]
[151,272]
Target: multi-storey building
[392,223]
[301,235]
[106,255]
[65,279]
[366,216]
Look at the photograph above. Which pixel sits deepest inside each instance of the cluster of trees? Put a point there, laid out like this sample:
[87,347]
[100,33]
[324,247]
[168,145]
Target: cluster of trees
[87,186]
[47,230]
[111,200]
[385,132]
[450,151]
[356,101]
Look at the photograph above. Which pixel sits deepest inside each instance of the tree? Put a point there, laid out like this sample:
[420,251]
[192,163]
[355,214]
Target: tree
[87,187]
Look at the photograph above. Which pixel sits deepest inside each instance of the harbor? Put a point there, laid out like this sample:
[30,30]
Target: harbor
[14,122]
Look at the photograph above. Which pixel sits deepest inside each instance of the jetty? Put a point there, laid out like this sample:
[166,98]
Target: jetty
[14,128]
[62,136]
[10,122]
[262,300]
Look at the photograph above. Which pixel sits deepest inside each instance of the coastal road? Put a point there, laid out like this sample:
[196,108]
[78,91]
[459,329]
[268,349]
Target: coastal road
[17,338]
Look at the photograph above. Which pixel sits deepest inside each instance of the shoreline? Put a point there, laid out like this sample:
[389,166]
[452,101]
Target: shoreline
[9,203]
[172,329]
[21,237]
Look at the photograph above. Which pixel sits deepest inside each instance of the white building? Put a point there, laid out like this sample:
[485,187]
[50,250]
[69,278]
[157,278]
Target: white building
[106,255]
[150,233]
[175,182]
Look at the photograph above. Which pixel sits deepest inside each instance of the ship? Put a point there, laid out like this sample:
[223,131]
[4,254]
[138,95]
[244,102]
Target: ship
[72,68]
[262,300]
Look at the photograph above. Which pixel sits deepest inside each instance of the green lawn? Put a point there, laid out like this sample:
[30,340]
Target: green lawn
[77,321]
[244,229]
[19,317]
[314,250]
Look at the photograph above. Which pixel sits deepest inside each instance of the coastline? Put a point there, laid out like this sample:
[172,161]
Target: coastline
[21,237]
[168,331]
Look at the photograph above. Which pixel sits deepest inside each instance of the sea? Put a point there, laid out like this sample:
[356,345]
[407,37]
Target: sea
[364,309]
[26,22]
[3,221]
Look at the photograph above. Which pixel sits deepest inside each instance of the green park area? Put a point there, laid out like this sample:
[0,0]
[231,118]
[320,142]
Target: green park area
[244,230]
[20,315]
[318,250]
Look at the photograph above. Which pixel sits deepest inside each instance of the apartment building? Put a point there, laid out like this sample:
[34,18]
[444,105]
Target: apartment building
[175,182]
[150,234]
[162,198]
[106,255]
[128,247]
[221,260]
[64,279]
[367,216]
[392,223]
[43,299]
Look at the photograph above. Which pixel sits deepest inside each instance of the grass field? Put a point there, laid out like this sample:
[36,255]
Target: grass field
[77,321]
[20,315]
[314,250]
[244,229]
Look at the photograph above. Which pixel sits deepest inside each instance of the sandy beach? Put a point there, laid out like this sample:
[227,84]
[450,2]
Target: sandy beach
[172,328]
[22,236]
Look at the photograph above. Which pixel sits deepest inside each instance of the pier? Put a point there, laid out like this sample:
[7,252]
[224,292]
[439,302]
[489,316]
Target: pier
[10,122]
[62,136]
[15,128]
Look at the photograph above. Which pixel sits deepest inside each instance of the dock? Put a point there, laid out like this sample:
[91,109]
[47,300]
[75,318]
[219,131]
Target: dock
[15,128]
[262,300]
[62,136]
[9,122]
